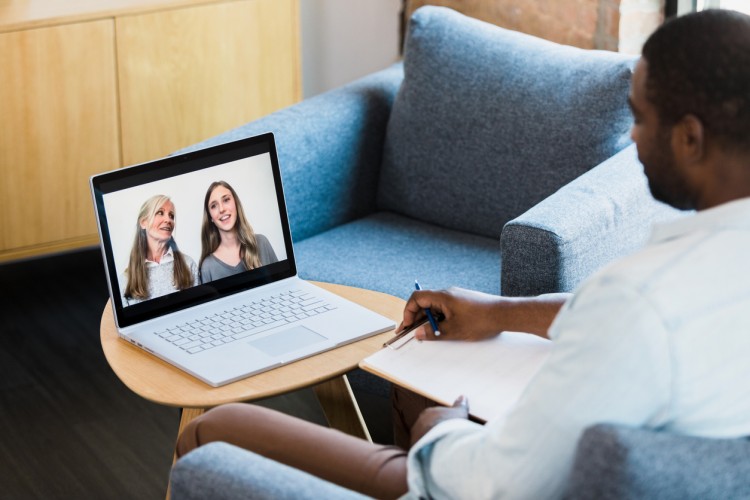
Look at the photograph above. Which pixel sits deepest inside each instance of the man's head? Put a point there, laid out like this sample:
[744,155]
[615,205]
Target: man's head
[690,98]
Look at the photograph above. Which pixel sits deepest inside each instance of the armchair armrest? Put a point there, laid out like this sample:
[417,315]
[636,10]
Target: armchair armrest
[619,462]
[596,218]
[330,148]
[221,471]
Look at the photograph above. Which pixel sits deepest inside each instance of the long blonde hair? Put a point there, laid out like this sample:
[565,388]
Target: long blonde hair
[137,286]
[210,237]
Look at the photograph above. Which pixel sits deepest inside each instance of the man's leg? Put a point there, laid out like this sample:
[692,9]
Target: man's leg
[372,469]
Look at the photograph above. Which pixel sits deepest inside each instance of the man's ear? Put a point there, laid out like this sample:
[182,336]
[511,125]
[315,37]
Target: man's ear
[688,139]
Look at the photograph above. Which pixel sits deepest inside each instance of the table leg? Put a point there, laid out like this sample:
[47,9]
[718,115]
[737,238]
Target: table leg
[340,407]
[186,415]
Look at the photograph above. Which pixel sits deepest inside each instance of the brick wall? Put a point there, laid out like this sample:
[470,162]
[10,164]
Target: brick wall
[591,24]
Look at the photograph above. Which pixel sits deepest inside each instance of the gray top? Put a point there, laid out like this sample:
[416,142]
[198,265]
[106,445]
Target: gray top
[214,269]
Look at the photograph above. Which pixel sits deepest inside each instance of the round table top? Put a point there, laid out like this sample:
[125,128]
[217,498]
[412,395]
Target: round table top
[160,382]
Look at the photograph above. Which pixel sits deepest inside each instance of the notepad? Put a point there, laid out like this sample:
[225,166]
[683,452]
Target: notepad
[491,373]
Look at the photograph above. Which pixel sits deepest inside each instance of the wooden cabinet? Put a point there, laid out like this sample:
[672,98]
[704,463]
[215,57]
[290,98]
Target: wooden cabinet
[58,126]
[91,85]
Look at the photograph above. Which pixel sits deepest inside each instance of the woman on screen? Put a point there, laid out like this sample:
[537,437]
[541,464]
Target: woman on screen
[229,244]
[156,266]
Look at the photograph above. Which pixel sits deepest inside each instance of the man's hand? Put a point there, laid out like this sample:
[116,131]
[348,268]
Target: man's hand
[470,315]
[466,314]
[430,417]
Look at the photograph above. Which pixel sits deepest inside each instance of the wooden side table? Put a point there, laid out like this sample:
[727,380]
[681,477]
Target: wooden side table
[160,382]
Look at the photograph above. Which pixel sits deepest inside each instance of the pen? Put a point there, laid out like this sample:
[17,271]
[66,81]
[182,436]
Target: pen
[433,323]
[393,341]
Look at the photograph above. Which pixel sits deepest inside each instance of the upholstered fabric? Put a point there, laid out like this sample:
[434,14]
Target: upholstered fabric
[387,252]
[488,122]
[219,471]
[615,462]
[595,219]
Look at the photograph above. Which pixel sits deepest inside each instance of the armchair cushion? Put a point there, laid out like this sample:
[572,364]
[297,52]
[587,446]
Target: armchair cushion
[489,122]
[616,462]
[220,471]
[387,252]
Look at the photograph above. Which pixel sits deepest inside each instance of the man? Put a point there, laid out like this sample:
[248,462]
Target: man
[658,340]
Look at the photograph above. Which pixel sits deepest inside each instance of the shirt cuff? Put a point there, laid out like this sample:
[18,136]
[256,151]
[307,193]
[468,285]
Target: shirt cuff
[418,462]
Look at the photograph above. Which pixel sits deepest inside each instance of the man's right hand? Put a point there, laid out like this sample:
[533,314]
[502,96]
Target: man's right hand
[471,315]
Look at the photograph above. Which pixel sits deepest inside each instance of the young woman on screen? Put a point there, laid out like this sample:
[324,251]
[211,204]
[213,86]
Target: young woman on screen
[229,244]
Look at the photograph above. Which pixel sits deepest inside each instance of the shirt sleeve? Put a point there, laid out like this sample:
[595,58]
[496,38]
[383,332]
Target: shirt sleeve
[610,363]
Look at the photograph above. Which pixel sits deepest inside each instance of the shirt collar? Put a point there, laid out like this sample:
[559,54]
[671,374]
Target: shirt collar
[165,259]
[733,214]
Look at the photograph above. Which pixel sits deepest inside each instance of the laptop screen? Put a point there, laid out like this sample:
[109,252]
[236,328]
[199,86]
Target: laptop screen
[191,228]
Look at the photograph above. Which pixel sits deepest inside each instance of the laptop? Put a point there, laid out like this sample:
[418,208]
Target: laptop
[225,321]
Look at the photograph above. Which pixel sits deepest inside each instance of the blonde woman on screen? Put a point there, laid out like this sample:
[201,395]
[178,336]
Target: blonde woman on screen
[156,266]
[229,244]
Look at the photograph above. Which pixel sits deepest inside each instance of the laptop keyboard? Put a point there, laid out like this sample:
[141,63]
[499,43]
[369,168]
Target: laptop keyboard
[240,322]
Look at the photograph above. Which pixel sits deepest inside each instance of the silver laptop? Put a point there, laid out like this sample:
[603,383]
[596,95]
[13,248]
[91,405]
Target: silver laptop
[219,320]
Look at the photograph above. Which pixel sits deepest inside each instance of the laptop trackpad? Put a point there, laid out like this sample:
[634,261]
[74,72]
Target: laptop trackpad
[287,341]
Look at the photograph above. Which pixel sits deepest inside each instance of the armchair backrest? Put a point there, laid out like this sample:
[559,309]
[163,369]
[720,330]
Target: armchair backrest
[488,122]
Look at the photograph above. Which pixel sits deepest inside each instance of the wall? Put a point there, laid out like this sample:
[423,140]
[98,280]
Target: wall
[342,40]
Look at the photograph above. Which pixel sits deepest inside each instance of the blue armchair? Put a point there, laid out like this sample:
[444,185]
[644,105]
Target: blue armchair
[464,166]
[488,159]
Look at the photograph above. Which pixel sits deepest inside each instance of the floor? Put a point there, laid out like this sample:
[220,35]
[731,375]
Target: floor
[72,429]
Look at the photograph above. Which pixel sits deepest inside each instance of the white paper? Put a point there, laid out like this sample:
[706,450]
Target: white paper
[491,373]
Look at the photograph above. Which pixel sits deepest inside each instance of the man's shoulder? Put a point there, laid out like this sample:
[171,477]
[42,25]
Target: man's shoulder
[642,265]
[670,272]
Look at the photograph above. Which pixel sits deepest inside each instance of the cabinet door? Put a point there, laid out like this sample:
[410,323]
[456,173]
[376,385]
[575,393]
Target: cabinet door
[58,127]
[188,74]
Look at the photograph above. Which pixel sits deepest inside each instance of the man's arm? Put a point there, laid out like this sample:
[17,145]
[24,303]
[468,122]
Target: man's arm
[471,315]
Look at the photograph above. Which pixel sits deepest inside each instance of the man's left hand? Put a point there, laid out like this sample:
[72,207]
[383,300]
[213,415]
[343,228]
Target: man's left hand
[430,417]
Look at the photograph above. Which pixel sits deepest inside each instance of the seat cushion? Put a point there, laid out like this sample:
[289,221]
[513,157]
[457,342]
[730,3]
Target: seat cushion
[488,122]
[387,252]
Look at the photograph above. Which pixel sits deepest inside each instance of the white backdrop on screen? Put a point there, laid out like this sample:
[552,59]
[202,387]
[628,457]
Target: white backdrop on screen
[251,178]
